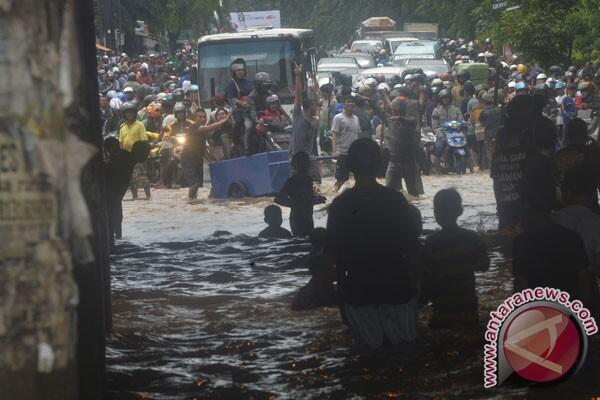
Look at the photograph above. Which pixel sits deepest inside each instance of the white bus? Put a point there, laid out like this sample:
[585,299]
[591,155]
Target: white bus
[265,50]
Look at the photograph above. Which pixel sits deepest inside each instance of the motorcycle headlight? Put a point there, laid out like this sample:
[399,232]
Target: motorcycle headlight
[181,139]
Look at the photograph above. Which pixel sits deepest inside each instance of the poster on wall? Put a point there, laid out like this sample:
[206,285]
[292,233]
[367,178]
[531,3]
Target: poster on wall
[241,21]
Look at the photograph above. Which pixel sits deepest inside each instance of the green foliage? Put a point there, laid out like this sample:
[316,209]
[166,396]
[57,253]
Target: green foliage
[544,31]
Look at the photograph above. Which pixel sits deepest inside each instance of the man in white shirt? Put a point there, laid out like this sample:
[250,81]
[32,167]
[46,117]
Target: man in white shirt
[345,129]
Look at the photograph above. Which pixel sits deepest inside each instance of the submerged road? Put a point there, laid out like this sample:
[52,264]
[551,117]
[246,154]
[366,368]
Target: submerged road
[202,310]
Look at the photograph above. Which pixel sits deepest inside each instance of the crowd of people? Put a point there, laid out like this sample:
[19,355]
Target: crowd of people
[528,126]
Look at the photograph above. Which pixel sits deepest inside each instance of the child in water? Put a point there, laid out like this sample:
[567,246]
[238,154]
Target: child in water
[274,219]
[451,257]
[297,193]
[319,291]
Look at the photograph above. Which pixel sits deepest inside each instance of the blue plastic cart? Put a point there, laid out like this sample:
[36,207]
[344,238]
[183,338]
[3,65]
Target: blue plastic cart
[257,175]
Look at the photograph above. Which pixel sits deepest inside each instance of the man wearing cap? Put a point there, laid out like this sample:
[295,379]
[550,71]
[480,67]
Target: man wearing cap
[129,93]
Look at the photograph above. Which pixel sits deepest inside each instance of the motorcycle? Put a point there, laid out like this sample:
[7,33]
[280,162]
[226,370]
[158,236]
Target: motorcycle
[456,140]
[427,152]
[169,152]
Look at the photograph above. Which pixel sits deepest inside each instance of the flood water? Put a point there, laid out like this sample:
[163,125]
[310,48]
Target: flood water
[202,311]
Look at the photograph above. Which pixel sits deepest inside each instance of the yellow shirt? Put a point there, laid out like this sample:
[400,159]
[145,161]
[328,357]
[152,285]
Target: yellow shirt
[129,134]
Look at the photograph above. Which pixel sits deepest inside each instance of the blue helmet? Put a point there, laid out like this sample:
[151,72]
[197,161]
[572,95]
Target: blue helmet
[338,109]
[122,96]
[559,85]
[521,86]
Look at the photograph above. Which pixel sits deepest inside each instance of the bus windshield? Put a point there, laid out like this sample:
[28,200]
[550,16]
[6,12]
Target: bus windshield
[273,56]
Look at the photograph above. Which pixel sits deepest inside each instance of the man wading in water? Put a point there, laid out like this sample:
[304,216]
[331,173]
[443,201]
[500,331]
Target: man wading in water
[374,242]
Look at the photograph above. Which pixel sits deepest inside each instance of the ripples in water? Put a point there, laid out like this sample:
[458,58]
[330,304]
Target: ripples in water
[212,319]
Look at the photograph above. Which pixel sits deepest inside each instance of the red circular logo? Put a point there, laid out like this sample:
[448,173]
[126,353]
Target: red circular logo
[542,344]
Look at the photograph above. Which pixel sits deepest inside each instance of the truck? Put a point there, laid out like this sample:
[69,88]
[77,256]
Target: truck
[422,30]
[384,28]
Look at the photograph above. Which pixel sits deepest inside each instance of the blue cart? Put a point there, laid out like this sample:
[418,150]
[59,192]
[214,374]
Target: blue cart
[256,175]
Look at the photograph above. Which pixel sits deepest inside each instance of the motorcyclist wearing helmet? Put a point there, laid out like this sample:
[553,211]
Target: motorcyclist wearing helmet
[131,132]
[588,99]
[257,102]
[236,94]
[257,99]
[273,118]
[181,124]
[444,112]
[568,108]
[457,89]
[239,86]
[109,120]
[129,93]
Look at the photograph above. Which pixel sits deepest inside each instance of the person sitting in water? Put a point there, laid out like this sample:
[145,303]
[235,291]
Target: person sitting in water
[545,253]
[297,193]
[320,290]
[450,258]
[274,219]
[374,240]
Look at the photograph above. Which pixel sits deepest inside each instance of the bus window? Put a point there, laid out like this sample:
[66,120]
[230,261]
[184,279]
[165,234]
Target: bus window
[275,57]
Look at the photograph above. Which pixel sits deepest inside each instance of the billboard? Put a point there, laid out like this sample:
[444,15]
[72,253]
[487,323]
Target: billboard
[247,20]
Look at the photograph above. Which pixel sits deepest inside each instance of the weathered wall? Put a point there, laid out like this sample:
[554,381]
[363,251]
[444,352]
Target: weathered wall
[53,258]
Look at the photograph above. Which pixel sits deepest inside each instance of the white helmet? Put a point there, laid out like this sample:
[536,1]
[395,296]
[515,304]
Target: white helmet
[383,86]
[398,86]
[513,67]
[512,84]
[370,82]
[115,103]
[541,76]
[111,93]
[458,62]
[437,82]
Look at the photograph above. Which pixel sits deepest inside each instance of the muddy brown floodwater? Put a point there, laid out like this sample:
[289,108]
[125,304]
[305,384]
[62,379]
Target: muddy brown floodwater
[202,311]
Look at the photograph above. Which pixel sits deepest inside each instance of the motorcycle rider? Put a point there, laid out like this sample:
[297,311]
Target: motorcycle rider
[444,112]
[168,163]
[108,119]
[462,77]
[257,102]
[588,99]
[568,108]
[236,93]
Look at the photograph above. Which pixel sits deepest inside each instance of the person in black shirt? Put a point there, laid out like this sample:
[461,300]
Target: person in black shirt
[545,253]
[118,171]
[374,240]
[273,219]
[297,193]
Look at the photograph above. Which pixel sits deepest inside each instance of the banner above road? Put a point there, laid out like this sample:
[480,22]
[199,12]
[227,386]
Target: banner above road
[241,21]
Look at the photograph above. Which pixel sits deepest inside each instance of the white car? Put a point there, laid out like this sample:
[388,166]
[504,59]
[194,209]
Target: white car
[387,72]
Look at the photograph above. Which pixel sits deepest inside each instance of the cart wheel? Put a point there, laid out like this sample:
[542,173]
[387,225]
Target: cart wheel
[237,190]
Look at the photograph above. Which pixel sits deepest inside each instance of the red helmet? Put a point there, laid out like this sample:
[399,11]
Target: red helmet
[445,77]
